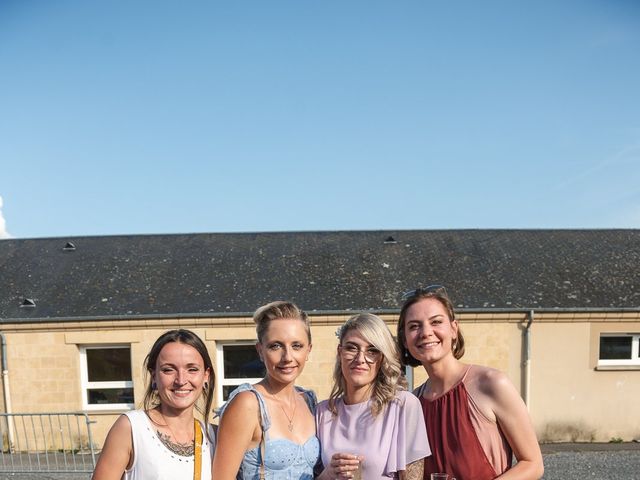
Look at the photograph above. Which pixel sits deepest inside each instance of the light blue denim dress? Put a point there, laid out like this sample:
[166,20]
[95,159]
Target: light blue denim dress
[284,459]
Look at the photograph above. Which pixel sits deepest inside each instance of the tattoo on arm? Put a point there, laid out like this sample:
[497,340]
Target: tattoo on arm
[414,471]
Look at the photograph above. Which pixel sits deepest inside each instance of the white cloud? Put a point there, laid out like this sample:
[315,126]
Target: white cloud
[3,224]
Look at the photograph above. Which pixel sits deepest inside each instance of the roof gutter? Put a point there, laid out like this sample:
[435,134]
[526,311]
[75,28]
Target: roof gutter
[388,311]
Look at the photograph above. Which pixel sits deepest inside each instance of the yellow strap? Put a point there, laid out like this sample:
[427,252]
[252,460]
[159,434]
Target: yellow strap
[197,463]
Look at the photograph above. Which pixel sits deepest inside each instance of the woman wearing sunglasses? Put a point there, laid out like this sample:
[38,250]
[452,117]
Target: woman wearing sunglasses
[475,417]
[370,427]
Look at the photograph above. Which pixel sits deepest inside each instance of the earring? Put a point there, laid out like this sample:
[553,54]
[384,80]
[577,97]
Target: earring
[154,386]
[206,385]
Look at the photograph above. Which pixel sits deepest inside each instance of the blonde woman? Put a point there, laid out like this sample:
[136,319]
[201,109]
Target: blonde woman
[267,430]
[370,423]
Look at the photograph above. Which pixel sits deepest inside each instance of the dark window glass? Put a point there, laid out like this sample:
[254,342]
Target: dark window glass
[109,364]
[242,361]
[99,396]
[615,348]
[226,390]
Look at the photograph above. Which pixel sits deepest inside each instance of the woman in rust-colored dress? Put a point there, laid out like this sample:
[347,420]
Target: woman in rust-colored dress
[476,420]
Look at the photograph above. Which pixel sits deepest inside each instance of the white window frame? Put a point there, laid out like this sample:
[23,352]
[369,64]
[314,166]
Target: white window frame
[635,351]
[86,384]
[220,378]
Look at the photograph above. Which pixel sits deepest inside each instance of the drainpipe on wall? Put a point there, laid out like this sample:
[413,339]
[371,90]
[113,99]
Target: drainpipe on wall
[527,360]
[408,373]
[5,391]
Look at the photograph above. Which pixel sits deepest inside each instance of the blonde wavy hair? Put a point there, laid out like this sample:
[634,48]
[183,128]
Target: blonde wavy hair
[390,377]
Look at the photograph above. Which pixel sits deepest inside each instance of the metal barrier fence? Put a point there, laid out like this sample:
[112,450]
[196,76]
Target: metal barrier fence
[46,442]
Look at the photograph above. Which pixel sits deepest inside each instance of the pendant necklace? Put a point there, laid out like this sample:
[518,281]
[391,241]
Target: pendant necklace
[295,405]
[293,415]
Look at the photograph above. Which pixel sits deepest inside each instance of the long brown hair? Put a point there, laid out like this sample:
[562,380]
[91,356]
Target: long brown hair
[151,399]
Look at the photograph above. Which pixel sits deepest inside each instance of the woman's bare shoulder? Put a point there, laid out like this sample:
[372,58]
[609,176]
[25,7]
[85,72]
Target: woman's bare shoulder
[246,402]
[117,451]
[490,388]
[487,380]
[122,426]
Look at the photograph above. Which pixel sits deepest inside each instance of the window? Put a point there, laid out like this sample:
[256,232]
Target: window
[619,349]
[106,377]
[237,363]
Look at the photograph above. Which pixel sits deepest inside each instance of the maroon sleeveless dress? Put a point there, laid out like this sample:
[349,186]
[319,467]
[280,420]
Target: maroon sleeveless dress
[454,443]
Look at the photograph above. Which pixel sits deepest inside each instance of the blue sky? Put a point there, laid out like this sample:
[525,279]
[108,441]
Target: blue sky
[177,117]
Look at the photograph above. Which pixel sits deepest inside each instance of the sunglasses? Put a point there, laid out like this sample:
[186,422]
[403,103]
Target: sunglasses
[422,290]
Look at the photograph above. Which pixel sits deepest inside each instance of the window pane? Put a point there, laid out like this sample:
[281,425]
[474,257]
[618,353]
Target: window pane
[615,348]
[109,364]
[242,361]
[226,390]
[99,396]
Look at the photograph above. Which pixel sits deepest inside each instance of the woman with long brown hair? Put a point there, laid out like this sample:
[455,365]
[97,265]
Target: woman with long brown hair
[162,440]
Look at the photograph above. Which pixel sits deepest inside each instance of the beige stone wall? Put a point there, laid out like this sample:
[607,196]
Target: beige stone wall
[572,400]
[48,356]
[569,398]
[42,372]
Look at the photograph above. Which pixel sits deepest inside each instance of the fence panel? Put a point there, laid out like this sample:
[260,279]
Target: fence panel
[46,442]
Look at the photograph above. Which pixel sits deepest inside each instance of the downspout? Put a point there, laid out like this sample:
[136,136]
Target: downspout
[6,393]
[527,360]
[408,373]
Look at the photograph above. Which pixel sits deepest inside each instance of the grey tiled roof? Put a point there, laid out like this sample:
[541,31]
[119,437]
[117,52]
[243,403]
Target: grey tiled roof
[323,271]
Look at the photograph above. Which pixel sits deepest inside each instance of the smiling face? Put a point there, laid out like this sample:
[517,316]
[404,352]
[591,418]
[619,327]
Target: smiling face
[428,331]
[284,349]
[359,360]
[179,375]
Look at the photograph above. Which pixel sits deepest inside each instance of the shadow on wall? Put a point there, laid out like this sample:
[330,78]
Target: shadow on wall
[567,432]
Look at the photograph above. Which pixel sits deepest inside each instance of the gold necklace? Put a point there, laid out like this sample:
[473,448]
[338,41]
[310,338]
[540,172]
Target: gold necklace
[295,405]
[293,415]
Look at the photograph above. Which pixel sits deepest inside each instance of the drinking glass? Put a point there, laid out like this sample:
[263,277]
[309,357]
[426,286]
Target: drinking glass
[357,474]
[439,476]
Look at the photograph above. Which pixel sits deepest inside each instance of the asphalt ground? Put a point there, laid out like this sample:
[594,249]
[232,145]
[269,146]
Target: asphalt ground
[562,461]
[591,461]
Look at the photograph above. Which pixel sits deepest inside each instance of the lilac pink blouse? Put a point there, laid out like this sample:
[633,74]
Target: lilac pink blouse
[389,441]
